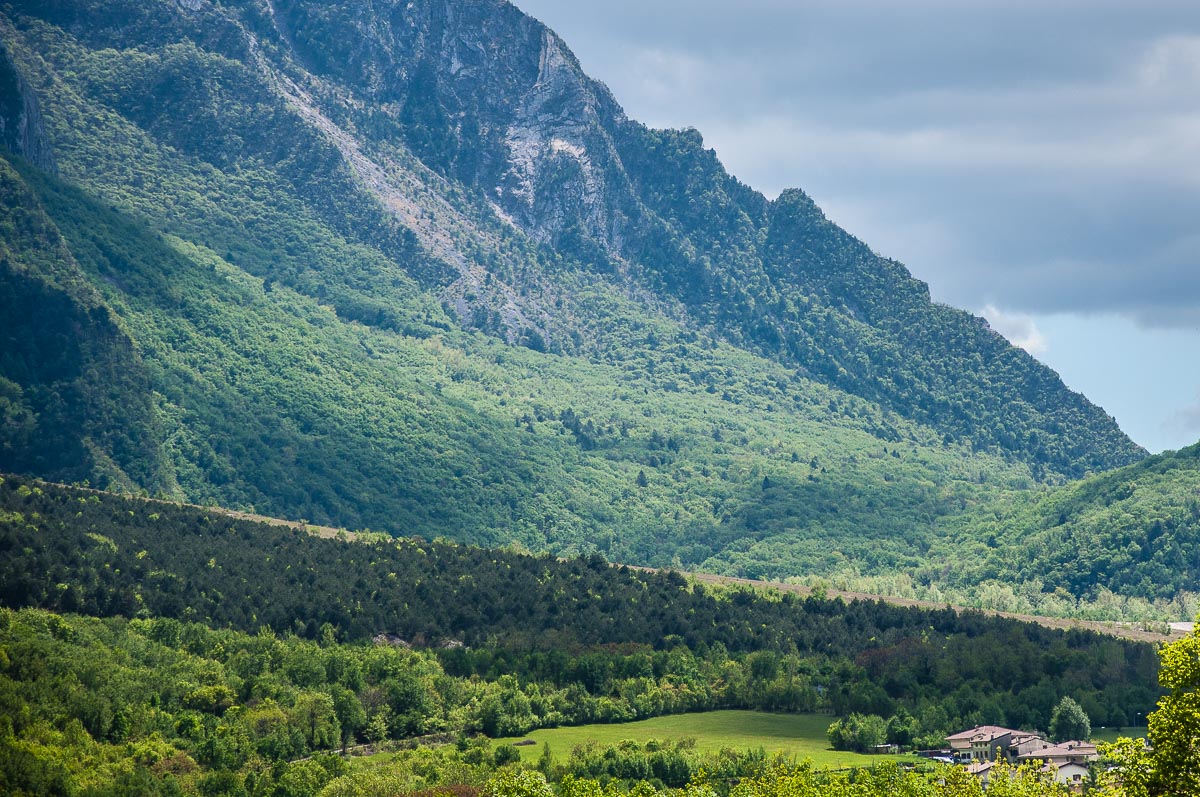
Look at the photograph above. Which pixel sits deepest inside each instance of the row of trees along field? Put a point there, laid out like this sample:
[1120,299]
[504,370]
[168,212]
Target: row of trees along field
[864,733]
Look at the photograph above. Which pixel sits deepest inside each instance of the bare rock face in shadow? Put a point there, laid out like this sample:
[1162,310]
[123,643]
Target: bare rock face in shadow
[22,131]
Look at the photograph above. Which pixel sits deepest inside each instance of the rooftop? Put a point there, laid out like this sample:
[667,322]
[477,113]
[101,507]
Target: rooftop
[983,731]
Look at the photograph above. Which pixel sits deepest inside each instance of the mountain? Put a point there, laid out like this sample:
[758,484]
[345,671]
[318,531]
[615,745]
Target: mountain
[403,265]
[557,156]
[1132,532]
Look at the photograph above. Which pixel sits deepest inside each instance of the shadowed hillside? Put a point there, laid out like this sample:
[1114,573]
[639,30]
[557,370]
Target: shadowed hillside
[373,269]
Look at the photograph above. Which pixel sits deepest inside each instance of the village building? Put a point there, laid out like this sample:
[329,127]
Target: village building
[1024,744]
[989,742]
[980,748]
[982,770]
[1072,774]
[1074,752]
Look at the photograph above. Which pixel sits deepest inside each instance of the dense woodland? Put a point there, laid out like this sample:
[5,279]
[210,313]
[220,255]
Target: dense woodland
[1120,544]
[1132,531]
[215,623]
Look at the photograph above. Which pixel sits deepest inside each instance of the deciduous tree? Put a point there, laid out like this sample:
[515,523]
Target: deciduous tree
[1069,721]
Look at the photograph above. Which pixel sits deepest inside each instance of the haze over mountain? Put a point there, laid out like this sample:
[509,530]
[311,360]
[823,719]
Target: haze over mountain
[406,266]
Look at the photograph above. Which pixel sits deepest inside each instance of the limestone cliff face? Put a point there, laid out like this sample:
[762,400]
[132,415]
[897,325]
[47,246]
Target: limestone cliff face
[22,131]
[561,166]
[489,96]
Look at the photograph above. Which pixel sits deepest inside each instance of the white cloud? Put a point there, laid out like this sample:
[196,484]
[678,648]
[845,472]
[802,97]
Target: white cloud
[663,76]
[1185,421]
[1172,65]
[1019,328]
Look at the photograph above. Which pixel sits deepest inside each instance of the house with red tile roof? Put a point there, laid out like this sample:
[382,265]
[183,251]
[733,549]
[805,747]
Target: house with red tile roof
[989,742]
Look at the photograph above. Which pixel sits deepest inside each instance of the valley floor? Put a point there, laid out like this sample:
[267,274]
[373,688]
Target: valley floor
[799,736]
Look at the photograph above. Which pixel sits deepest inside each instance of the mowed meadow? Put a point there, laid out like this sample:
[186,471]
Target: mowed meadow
[797,736]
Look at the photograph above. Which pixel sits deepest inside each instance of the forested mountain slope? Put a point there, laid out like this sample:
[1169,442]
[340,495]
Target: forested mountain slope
[1132,532]
[521,124]
[193,653]
[405,266]
[492,612]
[1120,545]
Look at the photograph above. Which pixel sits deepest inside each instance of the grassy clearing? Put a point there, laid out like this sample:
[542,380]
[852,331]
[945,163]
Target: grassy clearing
[801,736]
[1111,734]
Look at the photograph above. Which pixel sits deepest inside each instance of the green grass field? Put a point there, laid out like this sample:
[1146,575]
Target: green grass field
[801,736]
[1111,734]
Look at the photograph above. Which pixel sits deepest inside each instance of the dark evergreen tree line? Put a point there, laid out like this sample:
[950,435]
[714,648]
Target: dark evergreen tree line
[575,624]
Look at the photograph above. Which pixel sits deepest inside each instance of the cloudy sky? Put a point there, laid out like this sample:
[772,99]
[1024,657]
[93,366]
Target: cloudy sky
[1037,162]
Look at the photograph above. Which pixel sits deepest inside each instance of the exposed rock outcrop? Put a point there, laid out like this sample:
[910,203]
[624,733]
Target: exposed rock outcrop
[22,131]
